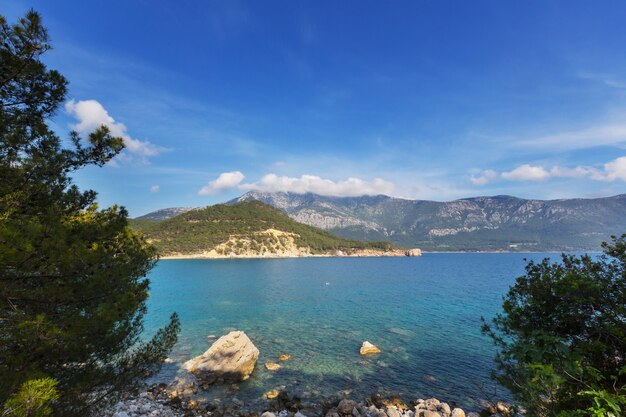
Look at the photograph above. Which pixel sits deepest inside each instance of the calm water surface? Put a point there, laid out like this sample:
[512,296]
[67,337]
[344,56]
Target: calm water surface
[424,313]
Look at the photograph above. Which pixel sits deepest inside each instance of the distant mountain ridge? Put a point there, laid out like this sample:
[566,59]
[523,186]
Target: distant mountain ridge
[470,224]
[479,223]
[166,213]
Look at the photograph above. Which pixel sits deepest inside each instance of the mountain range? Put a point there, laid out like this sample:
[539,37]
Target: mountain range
[471,224]
[247,229]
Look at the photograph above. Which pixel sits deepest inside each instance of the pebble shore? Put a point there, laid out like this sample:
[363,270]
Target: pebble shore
[163,401]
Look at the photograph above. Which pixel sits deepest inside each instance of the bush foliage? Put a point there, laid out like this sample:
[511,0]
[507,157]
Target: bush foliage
[562,335]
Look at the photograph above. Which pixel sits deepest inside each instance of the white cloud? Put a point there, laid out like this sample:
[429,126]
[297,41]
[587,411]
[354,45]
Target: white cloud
[302,184]
[526,173]
[486,176]
[223,182]
[611,171]
[155,188]
[318,185]
[91,115]
[615,169]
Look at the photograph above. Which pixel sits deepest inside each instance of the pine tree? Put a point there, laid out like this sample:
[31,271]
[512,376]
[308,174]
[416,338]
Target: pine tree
[72,276]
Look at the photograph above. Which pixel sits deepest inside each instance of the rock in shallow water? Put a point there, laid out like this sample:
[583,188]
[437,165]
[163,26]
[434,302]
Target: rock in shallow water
[367,349]
[346,406]
[230,359]
[272,366]
[271,394]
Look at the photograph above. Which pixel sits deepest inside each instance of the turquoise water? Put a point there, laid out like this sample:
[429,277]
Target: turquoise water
[424,313]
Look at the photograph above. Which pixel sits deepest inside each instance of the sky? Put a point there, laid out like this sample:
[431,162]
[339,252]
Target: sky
[434,100]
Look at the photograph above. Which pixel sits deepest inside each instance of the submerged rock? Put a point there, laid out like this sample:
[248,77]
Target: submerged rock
[271,394]
[284,357]
[230,359]
[367,349]
[346,406]
[272,366]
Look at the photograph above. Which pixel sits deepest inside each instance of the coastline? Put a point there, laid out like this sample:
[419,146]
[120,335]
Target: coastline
[365,253]
[206,255]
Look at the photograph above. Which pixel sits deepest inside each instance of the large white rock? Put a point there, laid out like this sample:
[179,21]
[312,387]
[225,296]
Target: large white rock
[230,359]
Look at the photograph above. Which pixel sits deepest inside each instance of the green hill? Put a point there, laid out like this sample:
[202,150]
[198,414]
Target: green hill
[248,228]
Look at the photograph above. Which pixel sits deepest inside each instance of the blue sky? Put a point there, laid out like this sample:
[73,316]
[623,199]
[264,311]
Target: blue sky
[416,99]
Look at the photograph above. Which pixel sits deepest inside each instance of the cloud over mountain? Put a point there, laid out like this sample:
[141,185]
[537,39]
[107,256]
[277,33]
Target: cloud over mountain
[225,181]
[303,184]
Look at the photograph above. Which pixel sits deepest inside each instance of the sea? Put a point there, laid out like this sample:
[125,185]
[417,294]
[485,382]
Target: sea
[424,313]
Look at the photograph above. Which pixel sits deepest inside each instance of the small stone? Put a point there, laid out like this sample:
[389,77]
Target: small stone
[431,404]
[121,414]
[392,412]
[268,414]
[332,413]
[299,414]
[457,412]
[272,366]
[473,414]
[444,408]
[283,413]
[271,394]
[502,408]
[368,349]
[429,413]
[345,406]
[284,357]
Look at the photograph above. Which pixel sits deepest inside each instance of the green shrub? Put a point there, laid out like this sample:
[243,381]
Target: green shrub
[562,336]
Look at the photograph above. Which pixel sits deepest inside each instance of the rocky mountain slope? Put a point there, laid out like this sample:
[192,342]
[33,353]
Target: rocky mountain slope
[480,223]
[249,229]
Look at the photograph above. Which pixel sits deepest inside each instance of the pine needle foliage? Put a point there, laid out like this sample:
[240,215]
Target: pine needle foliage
[72,276]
